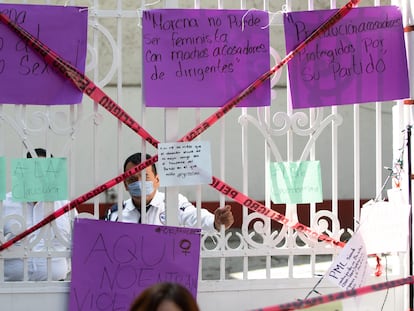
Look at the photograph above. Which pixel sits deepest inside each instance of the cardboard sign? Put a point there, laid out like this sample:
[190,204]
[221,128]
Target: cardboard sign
[360,59]
[64,30]
[39,179]
[202,58]
[113,262]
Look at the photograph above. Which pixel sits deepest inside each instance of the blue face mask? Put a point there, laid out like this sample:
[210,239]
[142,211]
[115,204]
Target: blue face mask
[135,188]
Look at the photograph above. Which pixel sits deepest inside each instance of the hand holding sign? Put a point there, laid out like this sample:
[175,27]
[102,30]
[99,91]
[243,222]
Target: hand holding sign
[223,216]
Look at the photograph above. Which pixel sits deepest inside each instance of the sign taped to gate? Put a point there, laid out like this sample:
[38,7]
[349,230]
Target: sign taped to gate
[353,62]
[201,58]
[112,262]
[64,30]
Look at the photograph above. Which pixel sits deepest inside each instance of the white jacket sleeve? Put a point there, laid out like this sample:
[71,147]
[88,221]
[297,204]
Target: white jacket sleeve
[187,215]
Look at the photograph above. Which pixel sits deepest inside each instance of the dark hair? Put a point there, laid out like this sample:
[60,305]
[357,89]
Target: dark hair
[40,152]
[136,159]
[153,296]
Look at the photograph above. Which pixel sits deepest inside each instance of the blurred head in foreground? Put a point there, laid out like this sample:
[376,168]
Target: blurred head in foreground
[165,297]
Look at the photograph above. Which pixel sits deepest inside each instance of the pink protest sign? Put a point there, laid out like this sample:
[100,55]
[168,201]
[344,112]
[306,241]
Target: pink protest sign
[24,76]
[112,262]
[360,59]
[202,58]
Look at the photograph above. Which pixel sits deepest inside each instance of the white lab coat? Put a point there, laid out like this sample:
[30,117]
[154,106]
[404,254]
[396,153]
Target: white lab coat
[13,223]
[187,214]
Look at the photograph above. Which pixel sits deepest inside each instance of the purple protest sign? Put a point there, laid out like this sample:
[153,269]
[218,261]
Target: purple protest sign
[202,58]
[24,76]
[112,262]
[360,59]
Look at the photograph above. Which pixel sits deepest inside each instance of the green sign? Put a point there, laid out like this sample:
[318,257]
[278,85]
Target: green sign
[39,179]
[2,178]
[296,182]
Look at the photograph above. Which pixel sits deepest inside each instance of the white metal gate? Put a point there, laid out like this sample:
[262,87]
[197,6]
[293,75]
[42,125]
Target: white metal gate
[261,263]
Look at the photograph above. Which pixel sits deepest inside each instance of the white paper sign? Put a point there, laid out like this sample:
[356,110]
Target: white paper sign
[384,227]
[185,163]
[396,196]
[350,268]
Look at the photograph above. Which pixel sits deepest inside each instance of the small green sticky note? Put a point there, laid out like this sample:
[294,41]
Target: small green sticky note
[296,182]
[2,178]
[39,179]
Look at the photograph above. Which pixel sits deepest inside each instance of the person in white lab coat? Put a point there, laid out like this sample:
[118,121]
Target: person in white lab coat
[155,201]
[17,217]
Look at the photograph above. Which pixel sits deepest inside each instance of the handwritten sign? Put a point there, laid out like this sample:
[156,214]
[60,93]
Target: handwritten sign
[2,178]
[360,59]
[63,29]
[39,179]
[186,163]
[350,268]
[296,182]
[202,58]
[113,262]
[381,223]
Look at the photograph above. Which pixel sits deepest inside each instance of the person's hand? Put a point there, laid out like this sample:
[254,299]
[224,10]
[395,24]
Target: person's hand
[223,216]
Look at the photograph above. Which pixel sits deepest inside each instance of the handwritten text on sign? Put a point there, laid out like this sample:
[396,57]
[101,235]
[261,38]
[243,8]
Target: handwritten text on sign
[39,179]
[350,268]
[113,262]
[202,58]
[63,29]
[184,163]
[360,59]
[296,182]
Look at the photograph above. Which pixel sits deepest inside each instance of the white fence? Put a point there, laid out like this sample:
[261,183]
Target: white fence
[261,262]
